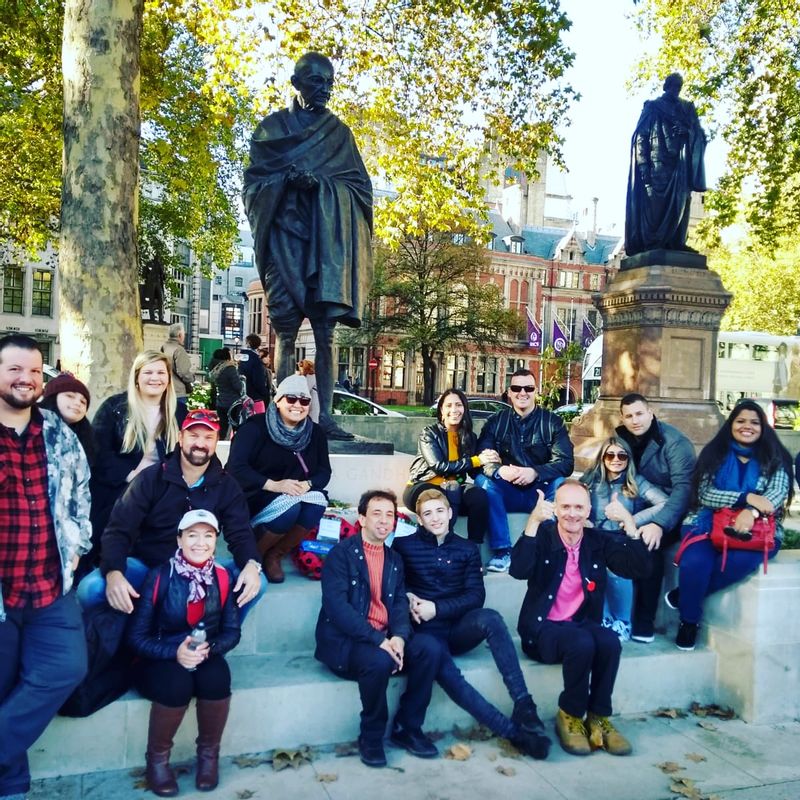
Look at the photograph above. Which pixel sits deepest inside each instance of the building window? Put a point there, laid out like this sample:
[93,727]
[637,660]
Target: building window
[238,282]
[568,279]
[516,246]
[394,369]
[42,300]
[256,306]
[13,289]
[594,282]
[457,372]
[184,254]
[568,319]
[218,280]
[46,349]
[518,296]
[486,377]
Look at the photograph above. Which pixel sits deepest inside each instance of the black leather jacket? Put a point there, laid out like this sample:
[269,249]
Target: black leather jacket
[433,457]
[156,631]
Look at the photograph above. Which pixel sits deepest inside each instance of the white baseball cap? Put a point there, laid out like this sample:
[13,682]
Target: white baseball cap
[198,515]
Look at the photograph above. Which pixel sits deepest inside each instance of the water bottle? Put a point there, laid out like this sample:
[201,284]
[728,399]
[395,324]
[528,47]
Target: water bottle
[198,636]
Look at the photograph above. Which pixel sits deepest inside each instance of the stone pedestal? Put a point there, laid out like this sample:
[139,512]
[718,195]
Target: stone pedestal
[660,326]
[154,335]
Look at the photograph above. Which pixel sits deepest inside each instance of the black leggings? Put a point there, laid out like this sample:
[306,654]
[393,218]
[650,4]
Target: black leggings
[170,684]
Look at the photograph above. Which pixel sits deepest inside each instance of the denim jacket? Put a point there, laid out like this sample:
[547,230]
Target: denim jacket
[644,507]
[68,493]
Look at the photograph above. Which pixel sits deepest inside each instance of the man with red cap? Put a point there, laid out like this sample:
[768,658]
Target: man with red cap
[141,530]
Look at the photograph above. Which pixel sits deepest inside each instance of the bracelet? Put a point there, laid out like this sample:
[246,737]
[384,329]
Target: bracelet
[754,511]
[257,563]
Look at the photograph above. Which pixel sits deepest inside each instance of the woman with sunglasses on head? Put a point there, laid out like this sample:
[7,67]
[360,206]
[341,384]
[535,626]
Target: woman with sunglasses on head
[280,460]
[622,501]
[447,455]
[132,430]
[744,468]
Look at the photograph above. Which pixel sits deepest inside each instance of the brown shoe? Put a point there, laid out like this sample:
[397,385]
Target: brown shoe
[164,722]
[272,560]
[604,736]
[266,544]
[572,734]
[211,718]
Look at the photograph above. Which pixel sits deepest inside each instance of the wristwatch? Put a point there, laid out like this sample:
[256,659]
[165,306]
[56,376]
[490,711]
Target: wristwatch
[257,563]
[754,511]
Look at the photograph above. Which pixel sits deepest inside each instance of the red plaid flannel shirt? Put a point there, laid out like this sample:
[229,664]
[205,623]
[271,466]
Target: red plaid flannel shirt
[30,565]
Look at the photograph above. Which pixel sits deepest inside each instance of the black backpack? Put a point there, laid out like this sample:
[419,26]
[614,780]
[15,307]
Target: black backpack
[110,661]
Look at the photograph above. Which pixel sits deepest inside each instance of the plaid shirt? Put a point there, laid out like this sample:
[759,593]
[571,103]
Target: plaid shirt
[30,565]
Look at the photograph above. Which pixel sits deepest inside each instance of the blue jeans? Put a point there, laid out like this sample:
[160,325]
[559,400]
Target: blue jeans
[476,626]
[619,597]
[505,497]
[699,574]
[92,589]
[42,659]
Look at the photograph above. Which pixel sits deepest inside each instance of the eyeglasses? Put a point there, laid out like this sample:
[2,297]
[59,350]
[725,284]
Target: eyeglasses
[291,399]
[203,415]
[517,388]
[610,455]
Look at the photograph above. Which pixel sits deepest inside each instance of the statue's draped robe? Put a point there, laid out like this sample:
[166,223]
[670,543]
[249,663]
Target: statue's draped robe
[667,152]
[312,247]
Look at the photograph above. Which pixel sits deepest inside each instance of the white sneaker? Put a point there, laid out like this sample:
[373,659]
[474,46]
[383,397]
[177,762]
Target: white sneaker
[499,563]
[622,629]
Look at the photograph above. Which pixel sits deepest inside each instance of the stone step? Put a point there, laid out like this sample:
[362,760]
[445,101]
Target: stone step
[288,699]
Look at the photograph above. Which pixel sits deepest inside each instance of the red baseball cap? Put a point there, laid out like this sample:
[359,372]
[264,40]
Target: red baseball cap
[201,416]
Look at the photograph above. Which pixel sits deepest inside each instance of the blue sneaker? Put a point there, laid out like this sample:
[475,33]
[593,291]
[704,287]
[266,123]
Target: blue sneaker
[499,563]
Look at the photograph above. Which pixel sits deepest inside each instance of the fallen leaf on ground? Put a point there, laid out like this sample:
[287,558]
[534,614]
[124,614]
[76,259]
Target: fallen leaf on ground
[507,749]
[686,788]
[281,759]
[509,772]
[458,752]
[477,733]
[141,783]
[696,757]
[492,756]
[712,710]
[668,767]
[709,726]
[245,794]
[671,713]
[327,777]
[244,762]
[137,773]
[346,749]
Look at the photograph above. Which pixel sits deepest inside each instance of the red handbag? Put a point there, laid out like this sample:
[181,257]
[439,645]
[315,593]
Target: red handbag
[724,537]
[761,537]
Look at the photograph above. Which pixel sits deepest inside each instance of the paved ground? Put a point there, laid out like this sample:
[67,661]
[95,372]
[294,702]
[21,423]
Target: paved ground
[695,757]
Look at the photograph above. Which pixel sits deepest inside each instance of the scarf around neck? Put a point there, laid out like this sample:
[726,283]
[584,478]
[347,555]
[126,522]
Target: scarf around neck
[734,475]
[295,439]
[199,577]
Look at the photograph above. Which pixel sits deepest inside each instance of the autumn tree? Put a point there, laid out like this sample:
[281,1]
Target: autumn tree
[741,63]
[432,293]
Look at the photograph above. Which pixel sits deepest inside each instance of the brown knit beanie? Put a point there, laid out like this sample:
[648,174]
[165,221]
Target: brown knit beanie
[66,382]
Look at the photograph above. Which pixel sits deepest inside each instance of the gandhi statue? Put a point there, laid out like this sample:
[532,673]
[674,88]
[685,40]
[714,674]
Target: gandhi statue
[308,198]
[667,153]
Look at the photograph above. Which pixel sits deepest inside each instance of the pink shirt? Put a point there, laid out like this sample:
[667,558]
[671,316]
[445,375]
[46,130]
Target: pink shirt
[570,592]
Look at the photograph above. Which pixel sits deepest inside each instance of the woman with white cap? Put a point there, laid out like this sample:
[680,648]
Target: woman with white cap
[177,597]
[280,459]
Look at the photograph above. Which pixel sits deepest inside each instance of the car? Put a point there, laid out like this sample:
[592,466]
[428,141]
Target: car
[781,412]
[348,403]
[48,373]
[572,410]
[479,407]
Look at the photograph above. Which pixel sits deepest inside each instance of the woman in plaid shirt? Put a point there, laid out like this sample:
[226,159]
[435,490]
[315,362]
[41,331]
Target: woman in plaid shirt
[746,468]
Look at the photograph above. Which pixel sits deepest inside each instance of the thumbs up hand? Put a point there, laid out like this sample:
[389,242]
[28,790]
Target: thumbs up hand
[544,509]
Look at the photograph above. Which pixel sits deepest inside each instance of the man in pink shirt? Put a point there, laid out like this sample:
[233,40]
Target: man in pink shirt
[565,565]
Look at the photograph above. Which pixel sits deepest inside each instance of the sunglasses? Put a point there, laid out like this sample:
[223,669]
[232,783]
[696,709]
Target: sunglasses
[610,455]
[291,399]
[203,416]
[516,388]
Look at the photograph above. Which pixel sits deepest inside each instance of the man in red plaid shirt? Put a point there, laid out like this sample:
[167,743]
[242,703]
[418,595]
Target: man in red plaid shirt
[44,528]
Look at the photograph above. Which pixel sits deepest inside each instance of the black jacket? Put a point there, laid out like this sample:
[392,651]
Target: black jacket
[226,383]
[255,457]
[144,522]
[450,574]
[433,457]
[157,631]
[253,370]
[345,603]
[111,465]
[541,560]
[546,447]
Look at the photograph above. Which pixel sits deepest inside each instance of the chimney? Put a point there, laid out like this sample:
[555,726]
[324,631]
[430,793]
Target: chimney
[592,237]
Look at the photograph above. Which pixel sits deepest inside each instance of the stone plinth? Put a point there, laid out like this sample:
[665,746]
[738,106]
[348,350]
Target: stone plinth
[154,335]
[660,326]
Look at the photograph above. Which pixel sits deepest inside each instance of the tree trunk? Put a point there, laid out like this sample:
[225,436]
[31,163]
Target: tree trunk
[100,325]
[428,377]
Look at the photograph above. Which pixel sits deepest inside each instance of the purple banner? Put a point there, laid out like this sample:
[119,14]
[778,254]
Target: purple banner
[588,333]
[534,332]
[559,337]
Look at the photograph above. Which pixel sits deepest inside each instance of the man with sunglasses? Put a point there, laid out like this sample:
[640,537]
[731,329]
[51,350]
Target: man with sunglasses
[535,454]
[663,455]
[141,530]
